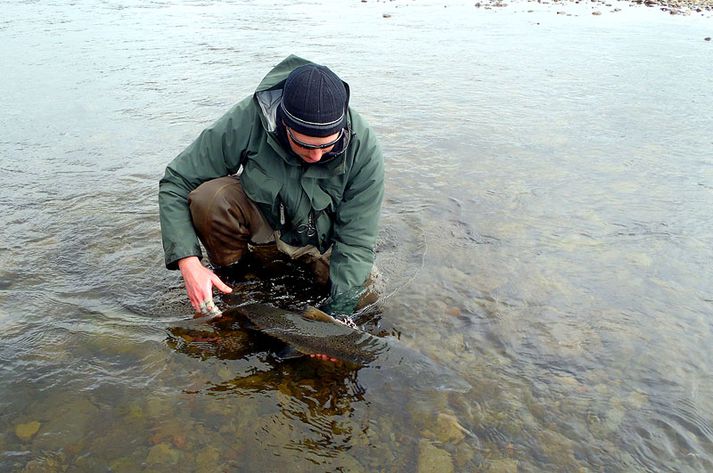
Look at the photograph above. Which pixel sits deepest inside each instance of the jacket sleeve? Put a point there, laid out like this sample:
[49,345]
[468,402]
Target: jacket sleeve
[218,151]
[356,226]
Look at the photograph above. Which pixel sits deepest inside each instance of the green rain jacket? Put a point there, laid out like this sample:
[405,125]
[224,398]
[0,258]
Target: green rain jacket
[341,196]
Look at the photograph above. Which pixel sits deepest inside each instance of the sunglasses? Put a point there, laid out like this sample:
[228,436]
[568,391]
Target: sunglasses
[304,145]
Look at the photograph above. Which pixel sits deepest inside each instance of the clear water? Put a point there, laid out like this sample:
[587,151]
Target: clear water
[547,234]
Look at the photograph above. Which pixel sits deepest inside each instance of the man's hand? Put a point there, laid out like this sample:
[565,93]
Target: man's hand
[199,285]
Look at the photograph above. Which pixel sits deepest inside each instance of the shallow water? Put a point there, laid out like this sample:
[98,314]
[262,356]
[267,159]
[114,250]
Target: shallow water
[547,237]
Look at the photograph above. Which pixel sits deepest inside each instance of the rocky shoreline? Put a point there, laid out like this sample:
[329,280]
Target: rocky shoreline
[673,7]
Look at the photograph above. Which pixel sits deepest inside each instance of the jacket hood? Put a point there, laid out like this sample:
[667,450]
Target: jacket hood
[269,92]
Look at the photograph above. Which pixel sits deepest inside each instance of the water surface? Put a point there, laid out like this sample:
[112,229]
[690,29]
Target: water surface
[547,237]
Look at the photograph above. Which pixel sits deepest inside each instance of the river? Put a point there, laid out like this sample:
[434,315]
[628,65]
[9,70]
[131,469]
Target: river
[547,237]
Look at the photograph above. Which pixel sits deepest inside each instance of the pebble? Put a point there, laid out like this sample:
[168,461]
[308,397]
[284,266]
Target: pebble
[448,429]
[26,431]
[163,454]
[503,465]
[707,38]
[432,459]
[48,463]
[208,460]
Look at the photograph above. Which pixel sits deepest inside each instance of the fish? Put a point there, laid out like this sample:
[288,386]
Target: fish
[311,331]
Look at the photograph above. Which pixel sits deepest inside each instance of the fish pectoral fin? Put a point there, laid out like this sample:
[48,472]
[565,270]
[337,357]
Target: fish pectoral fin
[289,353]
[313,313]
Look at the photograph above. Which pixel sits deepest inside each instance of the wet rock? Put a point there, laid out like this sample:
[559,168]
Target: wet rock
[707,38]
[26,431]
[157,407]
[89,463]
[569,382]
[134,412]
[71,421]
[432,459]
[502,465]
[559,449]
[349,463]
[637,400]
[173,432]
[50,463]
[163,454]
[421,411]
[463,455]
[208,460]
[453,311]
[448,429]
[225,374]
[123,465]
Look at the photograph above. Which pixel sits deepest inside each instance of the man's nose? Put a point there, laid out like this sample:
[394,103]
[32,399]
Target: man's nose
[315,154]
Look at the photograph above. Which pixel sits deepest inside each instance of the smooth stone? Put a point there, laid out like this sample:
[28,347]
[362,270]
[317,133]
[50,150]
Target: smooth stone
[26,431]
[502,465]
[448,429]
[637,400]
[207,460]
[432,459]
[463,455]
[157,407]
[123,465]
[163,454]
[68,423]
[225,373]
[346,462]
[51,463]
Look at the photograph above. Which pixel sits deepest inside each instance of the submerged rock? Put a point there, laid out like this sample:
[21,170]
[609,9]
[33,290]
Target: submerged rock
[163,454]
[48,463]
[347,462]
[447,429]
[26,431]
[123,465]
[208,460]
[502,465]
[432,459]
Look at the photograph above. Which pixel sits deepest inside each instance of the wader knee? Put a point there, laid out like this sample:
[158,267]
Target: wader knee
[225,220]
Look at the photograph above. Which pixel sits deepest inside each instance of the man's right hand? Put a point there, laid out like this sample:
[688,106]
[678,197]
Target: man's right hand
[199,282]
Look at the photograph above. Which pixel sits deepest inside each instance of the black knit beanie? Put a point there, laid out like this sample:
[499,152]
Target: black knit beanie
[314,101]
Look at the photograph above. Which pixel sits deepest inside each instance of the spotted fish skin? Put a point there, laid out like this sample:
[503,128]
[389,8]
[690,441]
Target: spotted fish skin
[312,332]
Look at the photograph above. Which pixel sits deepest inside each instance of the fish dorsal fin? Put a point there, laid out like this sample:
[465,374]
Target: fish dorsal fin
[313,313]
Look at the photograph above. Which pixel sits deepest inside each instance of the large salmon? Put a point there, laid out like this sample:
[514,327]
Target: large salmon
[312,331]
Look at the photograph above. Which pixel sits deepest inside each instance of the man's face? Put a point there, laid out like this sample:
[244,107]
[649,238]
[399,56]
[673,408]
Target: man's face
[311,148]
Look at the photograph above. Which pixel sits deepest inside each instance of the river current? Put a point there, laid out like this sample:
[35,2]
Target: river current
[547,238]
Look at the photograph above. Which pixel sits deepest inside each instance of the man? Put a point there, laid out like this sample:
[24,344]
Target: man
[291,166]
